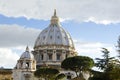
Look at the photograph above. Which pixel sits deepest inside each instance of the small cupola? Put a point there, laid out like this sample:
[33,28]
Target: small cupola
[27,54]
[26,61]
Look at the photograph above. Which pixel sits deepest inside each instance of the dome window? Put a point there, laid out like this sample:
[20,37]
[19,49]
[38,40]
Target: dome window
[43,37]
[50,37]
[21,64]
[52,30]
[65,37]
[38,37]
[58,37]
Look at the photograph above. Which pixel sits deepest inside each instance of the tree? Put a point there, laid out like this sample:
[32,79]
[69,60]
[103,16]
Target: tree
[114,70]
[78,64]
[104,62]
[110,67]
[96,75]
[46,73]
[112,73]
[118,47]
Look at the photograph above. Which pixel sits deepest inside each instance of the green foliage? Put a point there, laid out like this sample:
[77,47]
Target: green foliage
[96,75]
[78,64]
[110,67]
[118,47]
[104,62]
[114,71]
[60,76]
[46,73]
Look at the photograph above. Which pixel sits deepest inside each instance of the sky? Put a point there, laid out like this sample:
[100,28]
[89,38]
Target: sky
[93,24]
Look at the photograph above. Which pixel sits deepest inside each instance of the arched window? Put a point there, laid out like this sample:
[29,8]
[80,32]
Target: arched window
[50,37]
[66,55]
[58,56]
[58,37]
[27,65]
[43,37]
[49,56]
[37,57]
[41,56]
[21,64]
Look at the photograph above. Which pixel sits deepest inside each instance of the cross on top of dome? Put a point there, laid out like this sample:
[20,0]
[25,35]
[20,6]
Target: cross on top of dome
[55,12]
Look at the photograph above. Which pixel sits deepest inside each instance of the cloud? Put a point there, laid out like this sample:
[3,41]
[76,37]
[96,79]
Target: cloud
[102,11]
[93,49]
[13,40]
[105,22]
[8,58]
[15,35]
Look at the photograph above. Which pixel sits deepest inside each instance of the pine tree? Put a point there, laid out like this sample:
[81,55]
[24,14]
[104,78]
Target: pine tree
[103,63]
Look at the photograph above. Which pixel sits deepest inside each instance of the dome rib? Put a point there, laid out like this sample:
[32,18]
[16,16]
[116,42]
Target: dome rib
[62,40]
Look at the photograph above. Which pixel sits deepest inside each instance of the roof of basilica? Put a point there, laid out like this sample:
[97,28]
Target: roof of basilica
[54,34]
